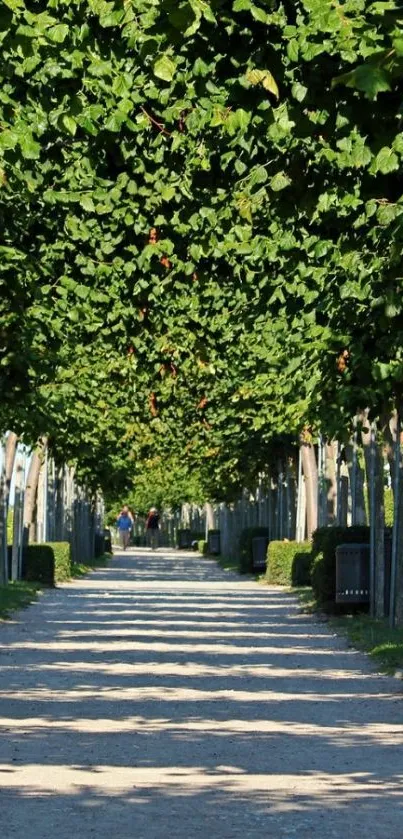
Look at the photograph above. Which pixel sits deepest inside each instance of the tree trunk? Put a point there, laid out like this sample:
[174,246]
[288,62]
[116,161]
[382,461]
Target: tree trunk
[291,497]
[343,515]
[18,527]
[389,431]
[310,471]
[210,518]
[31,492]
[10,452]
[373,453]
[357,481]
[393,436]
[331,481]
[3,524]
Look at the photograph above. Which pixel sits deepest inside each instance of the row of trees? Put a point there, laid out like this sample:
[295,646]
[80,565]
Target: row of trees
[202,230]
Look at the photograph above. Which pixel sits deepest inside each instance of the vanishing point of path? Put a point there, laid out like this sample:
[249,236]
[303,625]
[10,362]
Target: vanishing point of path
[163,697]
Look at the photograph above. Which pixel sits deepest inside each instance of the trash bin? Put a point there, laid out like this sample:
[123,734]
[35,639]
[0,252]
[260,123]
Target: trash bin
[184,539]
[214,542]
[107,541]
[99,544]
[259,552]
[352,573]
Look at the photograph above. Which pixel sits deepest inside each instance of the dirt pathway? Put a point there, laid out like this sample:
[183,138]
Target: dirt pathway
[165,697]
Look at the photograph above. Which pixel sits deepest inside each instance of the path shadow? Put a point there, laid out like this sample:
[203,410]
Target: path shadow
[152,699]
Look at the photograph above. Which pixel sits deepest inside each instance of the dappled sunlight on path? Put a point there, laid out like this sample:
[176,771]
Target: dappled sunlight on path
[163,696]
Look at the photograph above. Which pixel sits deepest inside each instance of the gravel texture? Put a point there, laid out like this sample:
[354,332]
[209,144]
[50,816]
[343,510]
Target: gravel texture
[164,697]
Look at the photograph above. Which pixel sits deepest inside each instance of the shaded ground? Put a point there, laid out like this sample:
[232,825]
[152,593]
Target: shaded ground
[166,697]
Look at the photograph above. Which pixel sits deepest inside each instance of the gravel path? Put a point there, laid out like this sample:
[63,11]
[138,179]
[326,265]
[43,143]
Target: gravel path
[163,697]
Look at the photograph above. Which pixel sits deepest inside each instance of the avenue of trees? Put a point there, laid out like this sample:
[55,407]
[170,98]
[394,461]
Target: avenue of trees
[201,213]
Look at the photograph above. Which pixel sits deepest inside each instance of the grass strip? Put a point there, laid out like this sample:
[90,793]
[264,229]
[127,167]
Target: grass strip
[227,563]
[375,637]
[81,569]
[17,595]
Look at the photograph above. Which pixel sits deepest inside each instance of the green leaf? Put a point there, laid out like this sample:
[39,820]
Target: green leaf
[58,33]
[279,181]
[69,124]
[165,68]
[368,78]
[168,192]
[299,91]
[385,161]
[265,78]
[242,5]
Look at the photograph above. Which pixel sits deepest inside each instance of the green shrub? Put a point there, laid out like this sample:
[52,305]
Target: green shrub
[245,547]
[48,563]
[389,507]
[62,554]
[323,568]
[202,547]
[288,563]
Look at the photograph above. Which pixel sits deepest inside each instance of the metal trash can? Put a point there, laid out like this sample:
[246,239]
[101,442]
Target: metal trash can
[107,541]
[259,552]
[99,544]
[184,539]
[352,573]
[214,542]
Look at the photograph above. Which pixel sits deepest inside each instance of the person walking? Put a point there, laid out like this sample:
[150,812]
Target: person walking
[152,528]
[124,524]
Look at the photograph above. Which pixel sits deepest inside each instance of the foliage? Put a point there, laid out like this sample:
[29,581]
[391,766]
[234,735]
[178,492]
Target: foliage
[288,563]
[163,483]
[201,207]
[16,595]
[323,569]
[39,564]
[245,547]
[389,507]
[49,563]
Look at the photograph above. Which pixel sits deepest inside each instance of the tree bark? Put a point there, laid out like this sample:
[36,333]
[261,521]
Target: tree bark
[31,492]
[389,431]
[399,569]
[310,471]
[376,514]
[210,519]
[331,482]
[357,484]
[3,528]
[10,452]
[291,497]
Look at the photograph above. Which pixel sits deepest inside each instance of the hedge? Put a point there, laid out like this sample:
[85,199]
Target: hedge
[323,568]
[245,547]
[49,563]
[288,563]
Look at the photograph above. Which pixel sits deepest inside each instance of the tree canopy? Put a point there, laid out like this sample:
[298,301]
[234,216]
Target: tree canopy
[201,211]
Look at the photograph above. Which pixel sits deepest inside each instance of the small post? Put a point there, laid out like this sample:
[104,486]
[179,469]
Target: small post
[395,532]
[354,477]
[372,518]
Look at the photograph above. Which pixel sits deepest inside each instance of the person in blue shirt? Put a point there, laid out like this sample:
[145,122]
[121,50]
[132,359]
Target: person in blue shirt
[124,524]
